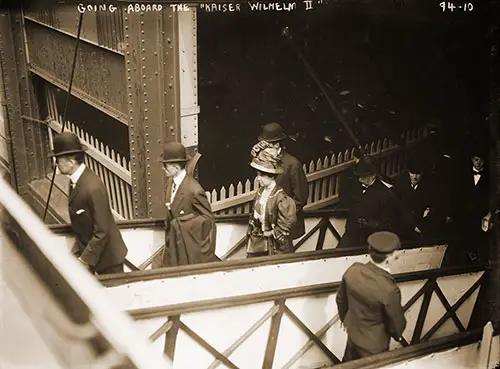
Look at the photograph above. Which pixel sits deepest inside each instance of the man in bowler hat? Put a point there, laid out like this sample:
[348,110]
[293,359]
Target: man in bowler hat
[417,197]
[189,224]
[99,245]
[369,300]
[372,206]
[293,179]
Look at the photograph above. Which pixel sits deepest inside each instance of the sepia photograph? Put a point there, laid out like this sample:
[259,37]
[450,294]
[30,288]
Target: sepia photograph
[298,184]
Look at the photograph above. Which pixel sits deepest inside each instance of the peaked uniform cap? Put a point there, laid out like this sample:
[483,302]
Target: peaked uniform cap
[67,143]
[174,152]
[384,242]
[272,132]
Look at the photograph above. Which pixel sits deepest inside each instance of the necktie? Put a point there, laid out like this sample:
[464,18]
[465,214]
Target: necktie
[174,187]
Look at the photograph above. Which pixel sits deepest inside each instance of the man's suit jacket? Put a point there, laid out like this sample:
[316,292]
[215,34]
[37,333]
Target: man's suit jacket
[294,182]
[413,203]
[99,242]
[189,225]
[370,211]
[369,305]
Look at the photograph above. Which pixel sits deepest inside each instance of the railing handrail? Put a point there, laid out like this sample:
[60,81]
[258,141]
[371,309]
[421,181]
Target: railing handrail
[232,265]
[413,352]
[160,222]
[115,326]
[318,289]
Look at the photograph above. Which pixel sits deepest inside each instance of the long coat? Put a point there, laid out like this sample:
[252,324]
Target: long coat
[372,210]
[471,205]
[190,230]
[98,240]
[369,305]
[414,202]
[294,182]
[279,217]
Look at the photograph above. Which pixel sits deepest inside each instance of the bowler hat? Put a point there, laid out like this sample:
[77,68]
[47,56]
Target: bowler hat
[66,143]
[415,166]
[272,132]
[364,167]
[384,242]
[174,152]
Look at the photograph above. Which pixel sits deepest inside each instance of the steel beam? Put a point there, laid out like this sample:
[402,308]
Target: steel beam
[152,65]
[8,54]
[188,75]
[99,75]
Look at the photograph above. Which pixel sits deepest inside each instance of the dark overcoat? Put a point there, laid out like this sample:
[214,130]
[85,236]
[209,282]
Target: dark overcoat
[369,306]
[190,230]
[414,202]
[99,242]
[294,182]
[370,210]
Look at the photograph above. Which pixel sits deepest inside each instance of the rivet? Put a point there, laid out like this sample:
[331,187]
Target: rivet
[128,53]
[145,93]
[146,110]
[129,79]
[142,23]
[143,58]
[142,40]
[126,36]
[169,40]
[156,53]
[146,118]
[142,32]
[144,85]
[143,67]
[149,166]
[143,76]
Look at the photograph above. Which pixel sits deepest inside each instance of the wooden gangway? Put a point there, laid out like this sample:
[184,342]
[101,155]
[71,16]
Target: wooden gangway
[73,324]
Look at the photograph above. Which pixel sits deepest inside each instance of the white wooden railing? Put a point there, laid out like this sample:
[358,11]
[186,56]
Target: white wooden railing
[322,174]
[111,167]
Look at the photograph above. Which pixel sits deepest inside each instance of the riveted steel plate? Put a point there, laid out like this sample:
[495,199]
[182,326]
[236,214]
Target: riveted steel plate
[99,75]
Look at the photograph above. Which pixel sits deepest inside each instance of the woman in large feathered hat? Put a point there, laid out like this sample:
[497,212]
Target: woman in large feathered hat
[274,211]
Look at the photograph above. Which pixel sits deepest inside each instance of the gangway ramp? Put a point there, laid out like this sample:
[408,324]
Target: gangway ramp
[66,320]
[145,237]
[299,327]
[242,277]
[475,349]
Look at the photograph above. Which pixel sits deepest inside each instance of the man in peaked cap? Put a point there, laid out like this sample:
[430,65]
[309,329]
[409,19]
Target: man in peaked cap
[372,206]
[369,300]
[99,245]
[189,224]
[293,179]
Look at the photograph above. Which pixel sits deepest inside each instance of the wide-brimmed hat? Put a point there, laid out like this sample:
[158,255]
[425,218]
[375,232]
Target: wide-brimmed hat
[266,159]
[174,152]
[66,143]
[384,242]
[272,132]
[364,167]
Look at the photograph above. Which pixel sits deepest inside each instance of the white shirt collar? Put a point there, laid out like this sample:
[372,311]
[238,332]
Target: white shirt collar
[179,177]
[78,173]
